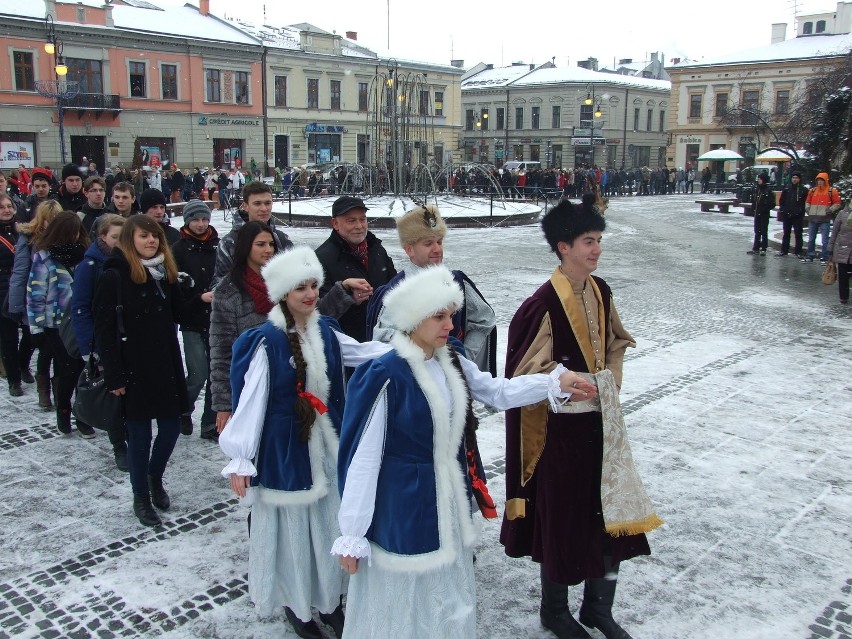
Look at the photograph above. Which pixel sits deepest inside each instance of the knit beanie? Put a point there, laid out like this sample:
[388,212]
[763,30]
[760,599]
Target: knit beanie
[71,170]
[150,198]
[195,209]
[420,223]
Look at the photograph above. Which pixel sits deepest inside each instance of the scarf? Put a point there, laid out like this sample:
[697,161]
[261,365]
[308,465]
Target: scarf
[186,234]
[155,267]
[256,288]
[102,247]
[69,255]
[359,251]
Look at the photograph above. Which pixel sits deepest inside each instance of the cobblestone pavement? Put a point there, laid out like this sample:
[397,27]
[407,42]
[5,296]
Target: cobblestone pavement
[738,402]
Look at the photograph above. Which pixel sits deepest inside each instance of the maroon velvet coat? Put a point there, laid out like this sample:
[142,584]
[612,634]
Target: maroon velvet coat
[564,527]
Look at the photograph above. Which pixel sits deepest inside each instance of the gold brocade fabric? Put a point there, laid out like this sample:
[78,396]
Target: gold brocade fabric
[591,347]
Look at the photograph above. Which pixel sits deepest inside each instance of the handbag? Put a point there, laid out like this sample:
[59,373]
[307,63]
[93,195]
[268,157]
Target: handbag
[94,404]
[66,334]
[829,275]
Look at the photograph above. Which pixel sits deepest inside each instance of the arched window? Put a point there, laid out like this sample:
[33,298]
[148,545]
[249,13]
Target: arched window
[808,29]
[820,26]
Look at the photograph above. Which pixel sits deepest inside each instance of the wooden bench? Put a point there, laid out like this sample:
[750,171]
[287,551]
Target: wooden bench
[720,205]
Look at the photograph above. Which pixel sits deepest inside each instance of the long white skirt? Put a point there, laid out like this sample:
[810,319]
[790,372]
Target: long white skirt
[439,604]
[290,560]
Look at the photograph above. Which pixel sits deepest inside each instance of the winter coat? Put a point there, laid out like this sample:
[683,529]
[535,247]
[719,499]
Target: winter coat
[822,204]
[8,240]
[82,300]
[232,314]
[178,181]
[225,255]
[172,234]
[339,263]
[198,259]
[20,276]
[31,203]
[89,217]
[763,201]
[70,201]
[840,243]
[48,292]
[146,360]
[792,203]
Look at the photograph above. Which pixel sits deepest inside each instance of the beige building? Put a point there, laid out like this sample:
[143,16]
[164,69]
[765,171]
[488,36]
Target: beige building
[735,101]
[563,117]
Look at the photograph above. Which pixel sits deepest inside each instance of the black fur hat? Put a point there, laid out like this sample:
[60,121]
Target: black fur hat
[566,222]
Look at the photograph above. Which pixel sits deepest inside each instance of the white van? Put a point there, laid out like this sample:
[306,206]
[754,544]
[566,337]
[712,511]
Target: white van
[521,165]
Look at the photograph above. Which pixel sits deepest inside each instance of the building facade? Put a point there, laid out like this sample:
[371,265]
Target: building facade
[736,101]
[563,117]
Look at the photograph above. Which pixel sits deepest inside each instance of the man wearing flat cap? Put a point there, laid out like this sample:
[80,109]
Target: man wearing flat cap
[355,261]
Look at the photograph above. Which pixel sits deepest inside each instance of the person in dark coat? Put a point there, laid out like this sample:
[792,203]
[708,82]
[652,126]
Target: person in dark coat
[177,184]
[9,347]
[195,254]
[153,204]
[95,191]
[574,502]
[40,193]
[70,194]
[352,252]
[792,205]
[762,204]
[142,274]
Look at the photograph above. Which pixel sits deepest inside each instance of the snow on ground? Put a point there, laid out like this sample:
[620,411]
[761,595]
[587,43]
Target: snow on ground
[738,403]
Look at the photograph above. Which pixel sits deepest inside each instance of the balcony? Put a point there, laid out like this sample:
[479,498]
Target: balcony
[94,102]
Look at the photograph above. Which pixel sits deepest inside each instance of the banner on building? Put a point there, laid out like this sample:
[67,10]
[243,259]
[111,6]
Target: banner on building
[13,154]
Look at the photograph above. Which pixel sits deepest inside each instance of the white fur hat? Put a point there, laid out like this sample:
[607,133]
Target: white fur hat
[287,270]
[420,296]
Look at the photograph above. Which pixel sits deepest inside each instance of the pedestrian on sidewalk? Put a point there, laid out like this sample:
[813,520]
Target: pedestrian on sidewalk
[15,360]
[822,203]
[792,206]
[840,247]
[762,204]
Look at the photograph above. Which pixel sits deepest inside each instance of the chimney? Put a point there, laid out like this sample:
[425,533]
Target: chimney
[352,35]
[779,32]
[108,20]
[625,61]
[532,66]
[675,61]
[204,7]
[488,67]
[458,64]
[654,56]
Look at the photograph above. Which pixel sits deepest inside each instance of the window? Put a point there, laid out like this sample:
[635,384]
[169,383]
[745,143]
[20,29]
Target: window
[662,121]
[24,73]
[214,85]
[483,115]
[782,102]
[650,120]
[721,105]
[820,26]
[424,102]
[241,87]
[439,103]
[536,117]
[313,93]
[556,117]
[88,73]
[808,28]
[501,118]
[519,117]
[535,152]
[168,77]
[586,115]
[468,120]
[636,119]
[518,151]
[334,94]
[137,79]
[695,105]
[363,98]
[750,105]
[280,90]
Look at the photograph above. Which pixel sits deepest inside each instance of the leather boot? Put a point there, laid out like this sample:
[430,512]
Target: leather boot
[335,620]
[159,496]
[144,511]
[43,389]
[596,611]
[304,629]
[554,612]
[63,420]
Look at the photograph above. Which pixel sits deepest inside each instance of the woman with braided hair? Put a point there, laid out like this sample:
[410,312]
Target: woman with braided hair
[287,384]
[410,489]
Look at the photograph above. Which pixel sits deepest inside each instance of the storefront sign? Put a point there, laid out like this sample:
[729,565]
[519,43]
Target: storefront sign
[690,140]
[203,120]
[14,153]
[324,128]
[578,132]
[588,142]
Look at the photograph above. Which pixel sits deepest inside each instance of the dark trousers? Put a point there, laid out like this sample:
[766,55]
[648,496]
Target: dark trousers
[794,225]
[142,459]
[66,369]
[761,231]
[15,356]
[843,272]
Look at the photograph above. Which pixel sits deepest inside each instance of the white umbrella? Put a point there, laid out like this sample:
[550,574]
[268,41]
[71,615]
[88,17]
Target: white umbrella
[721,154]
[777,156]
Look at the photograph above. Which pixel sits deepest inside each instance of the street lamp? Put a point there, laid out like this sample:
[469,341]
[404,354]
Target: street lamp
[481,125]
[58,89]
[591,100]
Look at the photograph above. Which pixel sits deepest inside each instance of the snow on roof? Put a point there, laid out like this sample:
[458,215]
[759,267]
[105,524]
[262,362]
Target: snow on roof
[794,49]
[522,76]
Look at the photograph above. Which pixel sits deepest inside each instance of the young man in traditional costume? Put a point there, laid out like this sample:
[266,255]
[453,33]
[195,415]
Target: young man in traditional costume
[574,502]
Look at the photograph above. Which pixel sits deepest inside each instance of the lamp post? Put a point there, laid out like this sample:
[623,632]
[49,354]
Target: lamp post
[481,125]
[58,89]
[596,114]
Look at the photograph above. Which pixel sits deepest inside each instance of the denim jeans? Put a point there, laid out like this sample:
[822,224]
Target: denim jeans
[824,229]
[144,460]
[196,352]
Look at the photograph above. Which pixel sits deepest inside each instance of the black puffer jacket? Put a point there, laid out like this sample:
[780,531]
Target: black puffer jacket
[198,259]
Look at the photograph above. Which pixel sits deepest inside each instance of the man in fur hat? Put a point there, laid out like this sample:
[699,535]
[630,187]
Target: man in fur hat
[574,502]
[421,234]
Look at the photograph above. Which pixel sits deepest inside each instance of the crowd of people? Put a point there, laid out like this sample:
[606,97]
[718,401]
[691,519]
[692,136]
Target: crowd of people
[342,392]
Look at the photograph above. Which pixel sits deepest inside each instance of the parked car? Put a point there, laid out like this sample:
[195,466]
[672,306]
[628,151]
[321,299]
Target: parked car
[521,165]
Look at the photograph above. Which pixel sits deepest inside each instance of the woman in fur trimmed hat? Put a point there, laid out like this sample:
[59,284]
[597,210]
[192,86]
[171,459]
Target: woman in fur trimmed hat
[409,494]
[288,387]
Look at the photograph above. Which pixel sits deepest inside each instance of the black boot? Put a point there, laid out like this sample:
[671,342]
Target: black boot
[305,629]
[186,424]
[120,454]
[43,389]
[63,420]
[144,511]
[596,611]
[158,494]
[15,389]
[335,620]
[554,612]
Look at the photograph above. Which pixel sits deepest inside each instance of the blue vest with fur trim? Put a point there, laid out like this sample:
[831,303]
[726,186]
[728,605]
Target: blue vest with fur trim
[405,520]
[283,460]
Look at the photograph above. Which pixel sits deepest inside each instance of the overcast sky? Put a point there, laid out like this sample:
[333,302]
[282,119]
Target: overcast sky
[502,31]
